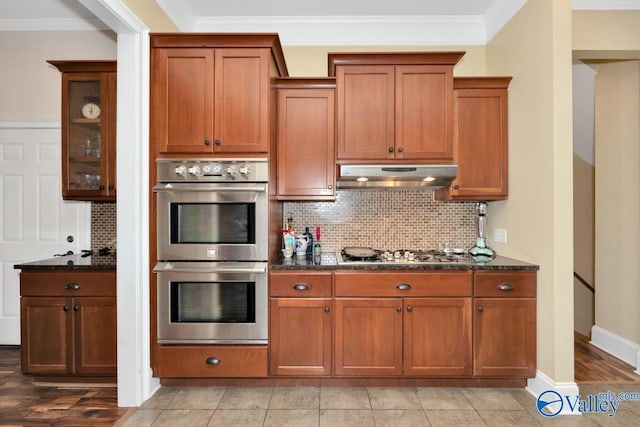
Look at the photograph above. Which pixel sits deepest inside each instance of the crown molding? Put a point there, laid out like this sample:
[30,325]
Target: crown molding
[605,4]
[66,24]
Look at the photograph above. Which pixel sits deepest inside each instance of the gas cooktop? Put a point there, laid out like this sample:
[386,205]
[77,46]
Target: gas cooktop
[375,256]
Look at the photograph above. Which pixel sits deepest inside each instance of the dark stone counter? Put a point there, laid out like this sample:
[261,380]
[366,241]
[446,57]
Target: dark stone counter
[71,262]
[329,262]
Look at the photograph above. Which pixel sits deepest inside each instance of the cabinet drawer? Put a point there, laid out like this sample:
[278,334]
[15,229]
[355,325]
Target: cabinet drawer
[300,285]
[507,284]
[212,361]
[68,284]
[387,284]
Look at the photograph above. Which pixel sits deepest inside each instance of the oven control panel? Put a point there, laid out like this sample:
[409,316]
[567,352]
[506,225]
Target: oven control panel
[212,170]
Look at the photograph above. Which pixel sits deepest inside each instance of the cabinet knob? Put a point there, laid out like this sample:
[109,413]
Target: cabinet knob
[330,186]
[456,187]
[213,361]
[301,287]
[76,308]
[391,149]
[480,309]
[65,308]
[207,142]
[72,286]
[403,286]
[111,187]
[217,142]
[327,309]
[398,309]
[101,187]
[506,287]
[400,149]
[409,309]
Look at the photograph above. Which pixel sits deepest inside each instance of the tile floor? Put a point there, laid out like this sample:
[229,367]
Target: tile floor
[362,407]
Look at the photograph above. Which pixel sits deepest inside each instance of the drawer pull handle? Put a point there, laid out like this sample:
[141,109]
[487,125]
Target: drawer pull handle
[301,287]
[213,361]
[72,286]
[403,286]
[480,309]
[506,287]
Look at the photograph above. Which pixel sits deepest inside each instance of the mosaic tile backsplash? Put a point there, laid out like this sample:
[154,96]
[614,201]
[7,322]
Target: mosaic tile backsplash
[103,225]
[386,219]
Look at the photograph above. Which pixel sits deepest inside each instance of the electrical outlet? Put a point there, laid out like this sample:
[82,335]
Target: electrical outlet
[500,235]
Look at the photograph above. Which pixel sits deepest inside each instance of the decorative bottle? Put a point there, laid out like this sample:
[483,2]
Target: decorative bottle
[310,242]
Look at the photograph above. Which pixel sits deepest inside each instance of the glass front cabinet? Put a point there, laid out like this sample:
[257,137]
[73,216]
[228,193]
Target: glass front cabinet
[88,129]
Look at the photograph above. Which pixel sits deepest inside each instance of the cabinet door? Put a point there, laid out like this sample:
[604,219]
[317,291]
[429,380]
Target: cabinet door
[182,85]
[306,153]
[424,112]
[365,112]
[300,339]
[504,337]
[437,336]
[368,336]
[87,113]
[95,335]
[46,335]
[241,100]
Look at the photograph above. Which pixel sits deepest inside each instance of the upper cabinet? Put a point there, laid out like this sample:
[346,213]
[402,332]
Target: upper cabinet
[211,93]
[394,106]
[306,139]
[88,129]
[480,139]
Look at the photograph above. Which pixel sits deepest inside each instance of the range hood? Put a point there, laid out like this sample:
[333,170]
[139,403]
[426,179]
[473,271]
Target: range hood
[427,177]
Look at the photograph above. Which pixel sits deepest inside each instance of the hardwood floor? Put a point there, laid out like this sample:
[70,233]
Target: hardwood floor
[28,403]
[593,365]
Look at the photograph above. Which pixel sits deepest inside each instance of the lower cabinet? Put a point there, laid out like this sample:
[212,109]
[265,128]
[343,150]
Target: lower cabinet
[202,361]
[68,323]
[504,324]
[300,324]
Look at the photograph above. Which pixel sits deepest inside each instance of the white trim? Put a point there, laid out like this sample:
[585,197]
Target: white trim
[30,124]
[499,13]
[60,24]
[180,13]
[542,383]
[617,346]
[605,4]
[356,30]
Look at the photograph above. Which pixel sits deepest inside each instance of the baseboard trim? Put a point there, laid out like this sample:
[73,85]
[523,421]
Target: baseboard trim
[541,383]
[620,347]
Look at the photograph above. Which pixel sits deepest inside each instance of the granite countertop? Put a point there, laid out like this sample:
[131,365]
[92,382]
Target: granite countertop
[71,262]
[329,262]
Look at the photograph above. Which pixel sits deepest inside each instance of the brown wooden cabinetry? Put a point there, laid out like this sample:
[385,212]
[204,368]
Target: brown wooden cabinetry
[396,106]
[504,337]
[211,93]
[480,139]
[403,323]
[68,323]
[88,129]
[300,323]
[306,149]
[202,361]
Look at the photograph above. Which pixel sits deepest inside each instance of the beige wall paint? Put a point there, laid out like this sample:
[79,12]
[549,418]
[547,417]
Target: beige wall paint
[152,15]
[617,200]
[29,86]
[615,31]
[535,48]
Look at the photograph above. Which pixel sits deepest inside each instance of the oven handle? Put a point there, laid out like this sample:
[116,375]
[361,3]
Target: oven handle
[165,267]
[259,188]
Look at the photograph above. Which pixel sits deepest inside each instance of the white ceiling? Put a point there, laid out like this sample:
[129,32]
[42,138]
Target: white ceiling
[330,22]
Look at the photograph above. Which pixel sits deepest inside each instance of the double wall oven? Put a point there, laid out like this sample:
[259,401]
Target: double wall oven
[212,239]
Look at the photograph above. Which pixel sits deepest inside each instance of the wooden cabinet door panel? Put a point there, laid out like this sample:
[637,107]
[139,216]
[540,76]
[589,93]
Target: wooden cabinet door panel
[424,112]
[300,339]
[437,336]
[504,337]
[365,112]
[95,335]
[368,336]
[306,149]
[182,88]
[46,328]
[241,113]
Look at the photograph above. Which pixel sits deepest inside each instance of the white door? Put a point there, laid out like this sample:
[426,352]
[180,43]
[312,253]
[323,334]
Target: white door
[35,223]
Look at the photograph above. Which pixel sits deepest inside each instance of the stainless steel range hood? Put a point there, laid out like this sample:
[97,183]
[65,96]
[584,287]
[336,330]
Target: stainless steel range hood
[426,177]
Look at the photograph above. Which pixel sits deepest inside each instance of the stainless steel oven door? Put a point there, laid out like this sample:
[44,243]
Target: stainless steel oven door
[212,222]
[213,303]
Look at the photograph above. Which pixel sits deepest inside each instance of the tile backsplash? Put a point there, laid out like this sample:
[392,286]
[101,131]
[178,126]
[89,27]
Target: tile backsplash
[386,219]
[103,225]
